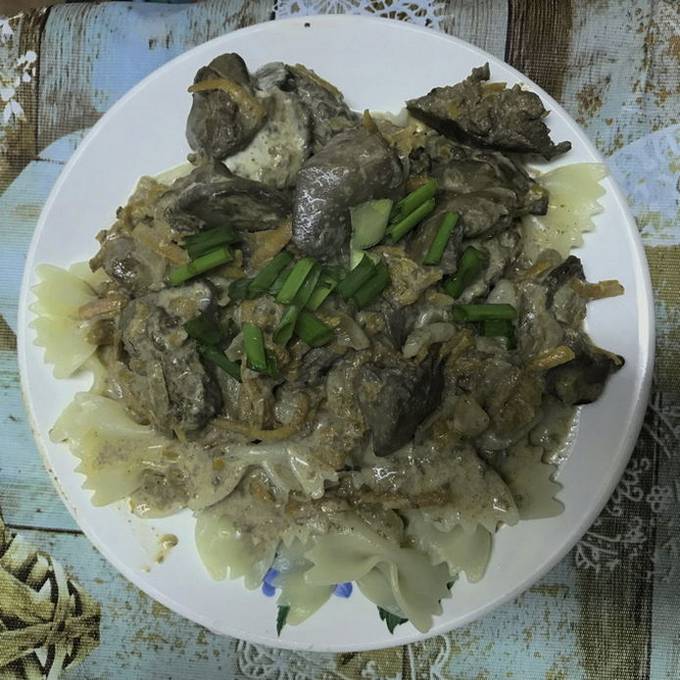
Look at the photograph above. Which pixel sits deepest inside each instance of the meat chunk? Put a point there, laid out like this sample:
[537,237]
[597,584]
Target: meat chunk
[172,385]
[211,196]
[324,103]
[129,263]
[225,113]
[279,149]
[396,398]
[353,167]
[582,380]
[509,119]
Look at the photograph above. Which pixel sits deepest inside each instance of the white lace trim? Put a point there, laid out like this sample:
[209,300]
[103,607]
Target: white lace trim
[423,12]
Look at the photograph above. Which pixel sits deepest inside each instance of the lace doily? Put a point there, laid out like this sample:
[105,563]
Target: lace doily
[423,13]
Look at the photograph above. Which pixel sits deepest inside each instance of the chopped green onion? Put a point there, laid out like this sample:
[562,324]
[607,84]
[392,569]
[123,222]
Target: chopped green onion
[325,286]
[372,289]
[356,278]
[312,330]
[200,265]
[500,328]
[213,354]
[470,266]
[204,330]
[284,331]
[303,295]
[205,241]
[265,278]
[253,342]
[399,229]
[280,280]
[441,239]
[295,279]
[413,200]
[483,312]
[369,221]
[240,289]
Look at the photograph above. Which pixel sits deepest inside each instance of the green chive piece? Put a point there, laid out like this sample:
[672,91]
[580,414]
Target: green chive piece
[280,280]
[413,200]
[203,329]
[483,312]
[441,239]
[213,354]
[253,342]
[295,280]
[307,288]
[399,229]
[470,266]
[369,221]
[500,328]
[200,265]
[312,330]
[356,278]
[240,289]
[326,285]
[265,278]
[284,331]
[372,289]
[205,241]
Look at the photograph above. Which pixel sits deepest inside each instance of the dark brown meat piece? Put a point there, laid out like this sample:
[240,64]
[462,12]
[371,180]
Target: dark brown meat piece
[173,386]
[396,398]
[325,104]
[489,115]
[211,196]
[355,166]
[224,121]
[132,265]
[582,380]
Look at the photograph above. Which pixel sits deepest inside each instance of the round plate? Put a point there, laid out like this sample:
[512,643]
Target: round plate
[143,134]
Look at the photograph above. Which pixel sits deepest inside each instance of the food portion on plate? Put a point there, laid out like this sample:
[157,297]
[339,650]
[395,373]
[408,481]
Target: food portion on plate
[351,344]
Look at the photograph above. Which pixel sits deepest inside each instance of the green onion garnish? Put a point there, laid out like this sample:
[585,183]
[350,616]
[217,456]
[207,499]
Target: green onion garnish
[240,289]
[295,280]
[280,280]
[213,354]
[312,330]
[204,330]
[500,328]
[307,288]
[253,342]
[441,239]
[356,278]
[284,331]
[372,289]
[399,229]
[483,312]
[265,278]
[325,286]
[205,241]
[470,266]
[413,200]
[200,265]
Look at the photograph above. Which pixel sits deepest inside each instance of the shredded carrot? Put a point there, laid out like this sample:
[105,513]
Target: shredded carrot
[250,105]
[276,435]
[550,358]
[100,307]
[599,290]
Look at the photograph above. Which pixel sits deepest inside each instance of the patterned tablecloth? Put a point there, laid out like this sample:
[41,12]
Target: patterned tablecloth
[609,610]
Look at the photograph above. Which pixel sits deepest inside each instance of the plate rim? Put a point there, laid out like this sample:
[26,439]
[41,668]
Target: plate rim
[645,349]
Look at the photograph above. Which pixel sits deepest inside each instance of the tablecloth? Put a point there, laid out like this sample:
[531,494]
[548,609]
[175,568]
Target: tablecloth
[609,609]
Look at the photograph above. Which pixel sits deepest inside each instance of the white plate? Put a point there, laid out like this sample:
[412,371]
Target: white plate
[377,64]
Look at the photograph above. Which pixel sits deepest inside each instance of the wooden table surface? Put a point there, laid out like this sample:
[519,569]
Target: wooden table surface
[609,610]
